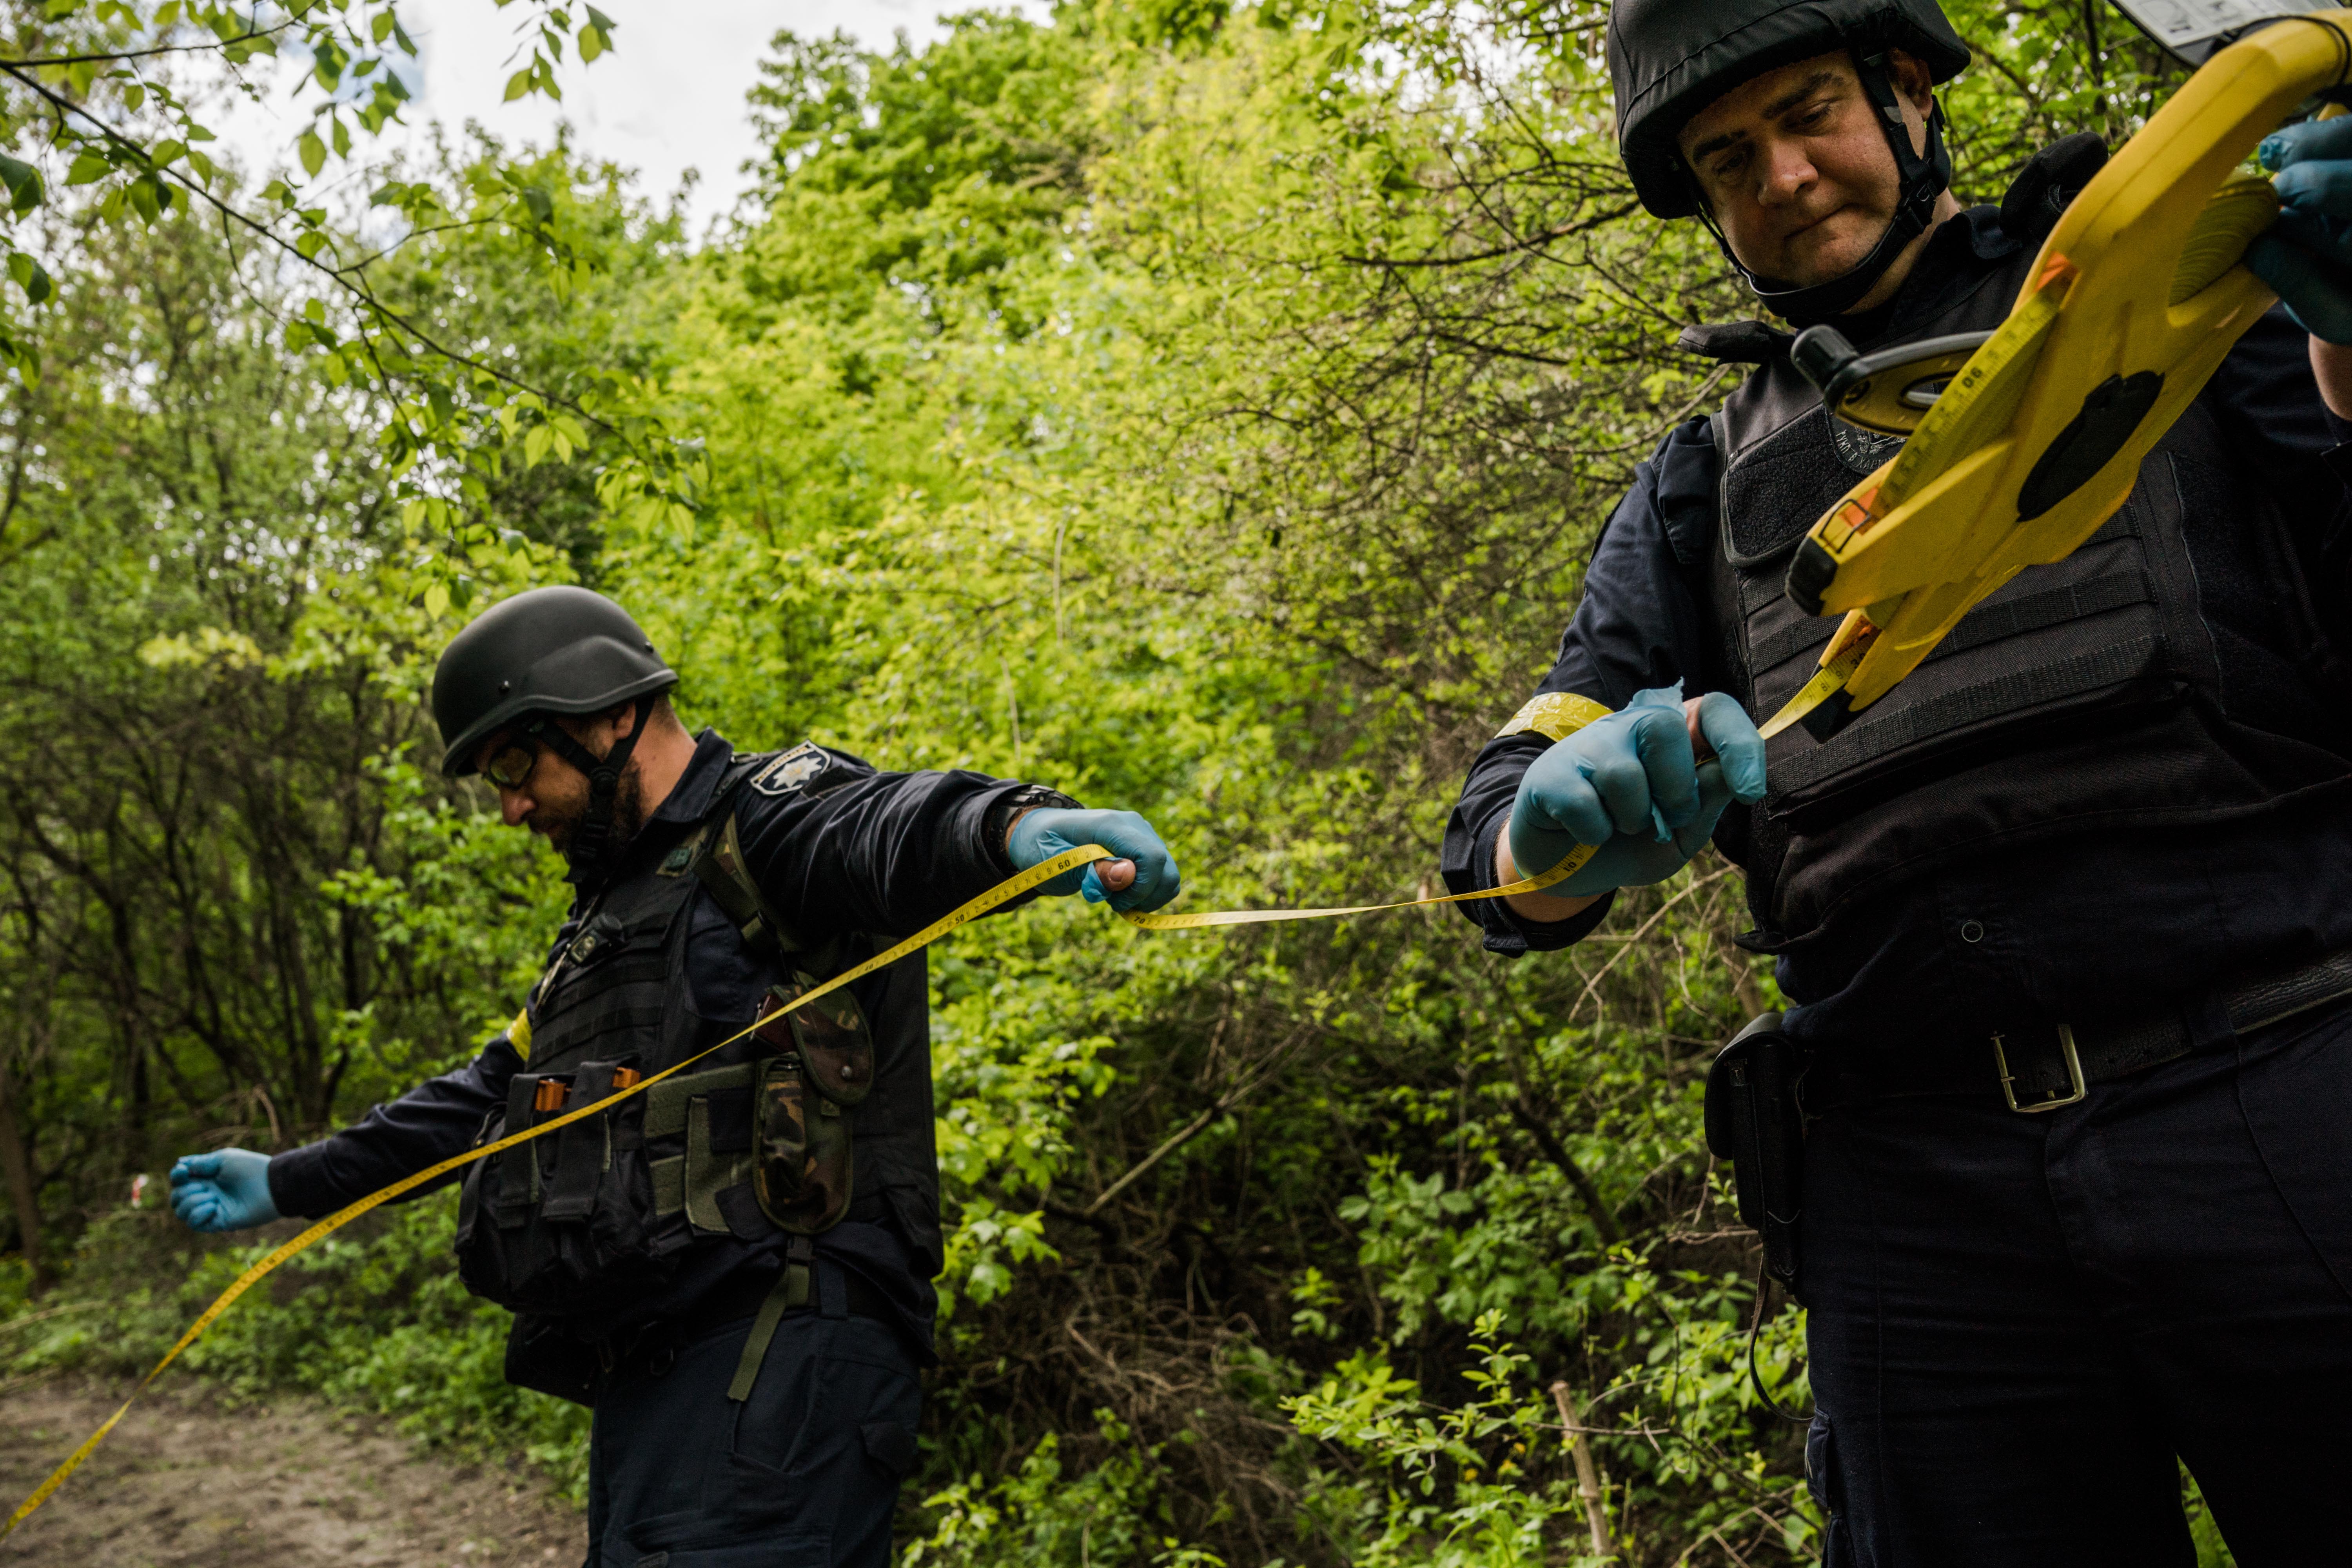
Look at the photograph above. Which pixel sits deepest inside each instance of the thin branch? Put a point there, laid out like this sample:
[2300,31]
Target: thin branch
[245,38]
[1217,1108]
[358,289]
[1614,959]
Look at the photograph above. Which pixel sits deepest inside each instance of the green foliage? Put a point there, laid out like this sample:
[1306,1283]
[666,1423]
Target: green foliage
[1039,1513]
[1203,410]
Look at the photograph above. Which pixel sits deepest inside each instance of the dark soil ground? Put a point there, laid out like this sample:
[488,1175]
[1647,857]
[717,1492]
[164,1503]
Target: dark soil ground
[184,1482]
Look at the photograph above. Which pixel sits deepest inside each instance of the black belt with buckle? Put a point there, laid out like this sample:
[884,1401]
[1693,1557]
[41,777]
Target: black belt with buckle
[2047,1071]
[656,1345]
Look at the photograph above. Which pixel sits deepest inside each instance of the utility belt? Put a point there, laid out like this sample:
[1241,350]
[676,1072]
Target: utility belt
[541,1355]
[1763,1088]
[830,1292]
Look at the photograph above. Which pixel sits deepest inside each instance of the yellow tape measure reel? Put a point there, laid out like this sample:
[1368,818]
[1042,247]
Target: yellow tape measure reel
[2037,439]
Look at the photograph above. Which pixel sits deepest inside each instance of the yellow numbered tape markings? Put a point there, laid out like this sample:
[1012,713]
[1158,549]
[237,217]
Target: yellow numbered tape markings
[1012,887]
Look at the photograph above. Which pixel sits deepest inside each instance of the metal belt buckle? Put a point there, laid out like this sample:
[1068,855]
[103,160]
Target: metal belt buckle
[2073,1076]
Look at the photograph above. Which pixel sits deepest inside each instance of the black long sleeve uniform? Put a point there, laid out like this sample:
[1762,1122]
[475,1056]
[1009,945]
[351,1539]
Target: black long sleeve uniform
[858,851]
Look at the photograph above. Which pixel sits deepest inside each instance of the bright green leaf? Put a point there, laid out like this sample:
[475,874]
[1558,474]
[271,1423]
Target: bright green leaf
[313,154]
[31,277]
[24,183]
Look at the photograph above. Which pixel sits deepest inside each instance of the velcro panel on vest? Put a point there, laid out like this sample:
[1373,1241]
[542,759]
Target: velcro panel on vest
[583,1150]
[666,1101]
[669,1185]
[518,1191]
[666,1114]
[1775,495]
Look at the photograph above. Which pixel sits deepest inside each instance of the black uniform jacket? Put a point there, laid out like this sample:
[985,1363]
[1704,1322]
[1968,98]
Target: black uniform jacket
[2093,925]
[854,850]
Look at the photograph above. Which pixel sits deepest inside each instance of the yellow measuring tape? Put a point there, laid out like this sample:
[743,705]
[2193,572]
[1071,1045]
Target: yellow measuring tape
[1012,887]
[2136,297]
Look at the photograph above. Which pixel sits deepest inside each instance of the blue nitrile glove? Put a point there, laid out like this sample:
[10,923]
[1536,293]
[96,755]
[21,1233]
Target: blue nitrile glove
[1630,784]
[2306,257]
[226,1190]
[1044,833]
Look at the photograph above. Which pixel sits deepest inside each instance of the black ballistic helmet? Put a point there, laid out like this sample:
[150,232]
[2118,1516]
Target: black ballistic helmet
[1668,59]
[549,651]
[542,653]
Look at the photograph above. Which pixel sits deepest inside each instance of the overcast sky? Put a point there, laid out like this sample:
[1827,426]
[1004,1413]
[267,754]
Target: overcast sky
[669,98]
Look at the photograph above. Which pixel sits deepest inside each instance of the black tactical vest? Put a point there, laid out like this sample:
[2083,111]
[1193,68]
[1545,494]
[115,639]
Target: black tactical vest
[2092,694]
[776,1132]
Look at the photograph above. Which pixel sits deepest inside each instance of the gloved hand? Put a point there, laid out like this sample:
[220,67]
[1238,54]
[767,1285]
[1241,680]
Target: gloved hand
[2307,256]
[226,1190]
[1630,782]
[1151,879]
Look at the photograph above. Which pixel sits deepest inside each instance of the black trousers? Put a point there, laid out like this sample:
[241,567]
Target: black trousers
[2020,1325]
[803,1474]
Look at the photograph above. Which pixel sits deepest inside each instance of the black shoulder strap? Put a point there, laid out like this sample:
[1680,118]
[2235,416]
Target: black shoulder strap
[716,853]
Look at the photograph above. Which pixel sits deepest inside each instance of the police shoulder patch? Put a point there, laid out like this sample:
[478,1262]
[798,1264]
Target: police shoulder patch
[790,770]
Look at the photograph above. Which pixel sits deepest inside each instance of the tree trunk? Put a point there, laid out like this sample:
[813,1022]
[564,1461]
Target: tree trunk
[1588,1474]
[16,1167]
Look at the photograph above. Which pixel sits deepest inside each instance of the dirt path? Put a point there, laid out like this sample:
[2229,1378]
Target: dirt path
[290,1487]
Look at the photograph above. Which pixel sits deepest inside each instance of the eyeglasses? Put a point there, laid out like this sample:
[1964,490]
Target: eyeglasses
[511,764]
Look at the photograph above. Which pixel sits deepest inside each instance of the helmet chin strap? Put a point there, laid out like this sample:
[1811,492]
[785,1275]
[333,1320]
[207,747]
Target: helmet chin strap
[594,845]
[1921,179]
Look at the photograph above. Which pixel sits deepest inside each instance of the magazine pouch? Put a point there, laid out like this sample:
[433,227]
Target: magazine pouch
[541,1224]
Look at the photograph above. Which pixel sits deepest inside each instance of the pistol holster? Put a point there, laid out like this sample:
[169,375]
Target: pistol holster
[1753,1120]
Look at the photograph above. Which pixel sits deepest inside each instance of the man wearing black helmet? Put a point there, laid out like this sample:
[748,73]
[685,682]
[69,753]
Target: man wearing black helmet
[734,1267]
[2065,920]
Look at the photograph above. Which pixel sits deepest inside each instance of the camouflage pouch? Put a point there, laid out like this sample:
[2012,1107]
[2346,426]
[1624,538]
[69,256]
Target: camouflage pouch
[802,1169]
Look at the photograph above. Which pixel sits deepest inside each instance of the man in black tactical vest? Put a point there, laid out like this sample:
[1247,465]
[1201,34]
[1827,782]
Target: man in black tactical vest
[734,1267]
[2065,920]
